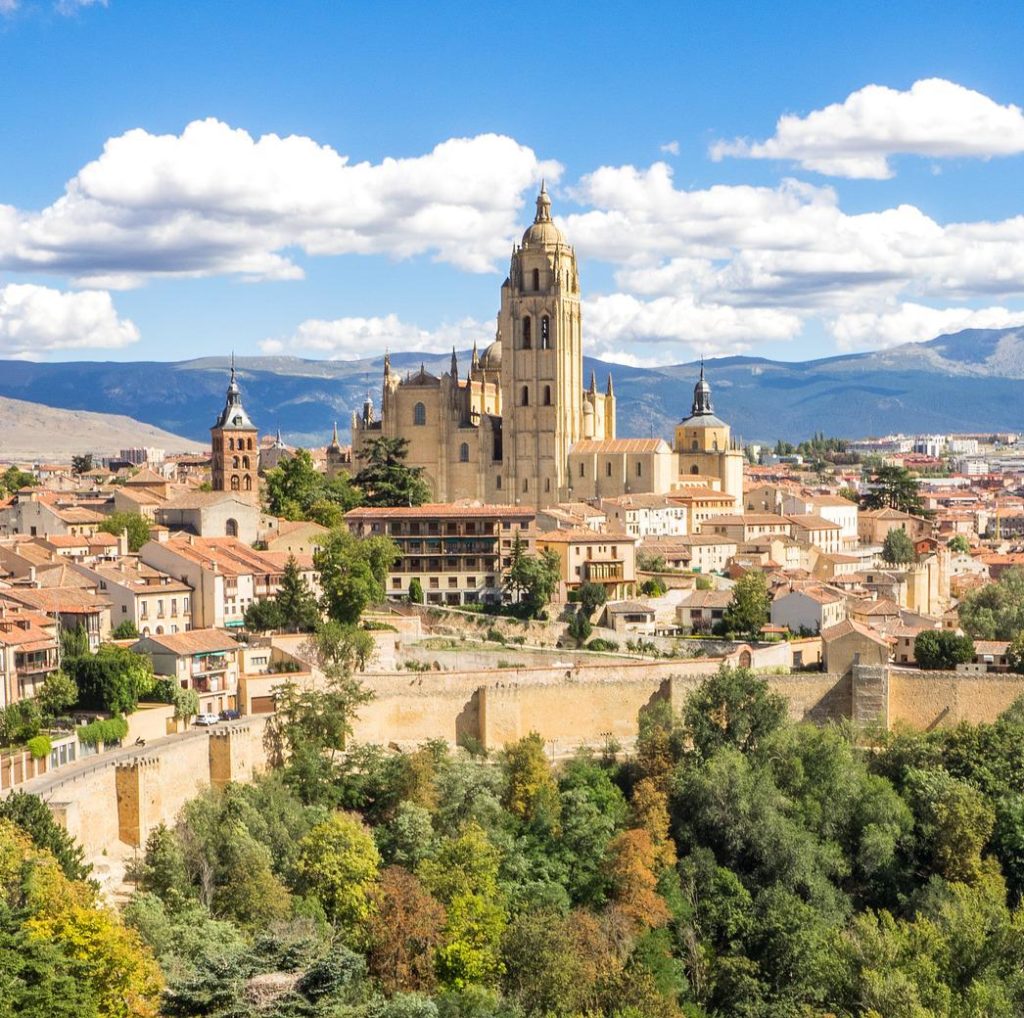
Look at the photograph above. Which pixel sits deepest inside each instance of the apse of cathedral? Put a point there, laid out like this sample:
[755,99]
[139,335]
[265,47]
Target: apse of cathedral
[517,425]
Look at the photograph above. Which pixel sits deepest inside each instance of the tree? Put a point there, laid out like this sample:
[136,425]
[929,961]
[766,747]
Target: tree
[632,858]
[296,603]
[81,464]
[57,693]
[126,630]
[263,616]
[959,545]
[13,479]
[338,863]
[33,816]
[995,611]
[579,627]
[531,581]
[415,591]
[942,649]
[112,679]
[733,708]
[750,606]
[353,572]
[1015,653]
[296,490]
[590,597]
[135,525]
[892,487]
[384,478]
[530,790]
[897,548]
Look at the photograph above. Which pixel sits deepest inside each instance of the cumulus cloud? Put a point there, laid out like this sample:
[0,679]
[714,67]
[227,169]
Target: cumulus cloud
[354,337]
[215,200]
[912,323]
[855,138]
[35,320]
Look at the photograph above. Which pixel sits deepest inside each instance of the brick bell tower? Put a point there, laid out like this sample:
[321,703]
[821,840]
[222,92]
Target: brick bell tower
[236,454]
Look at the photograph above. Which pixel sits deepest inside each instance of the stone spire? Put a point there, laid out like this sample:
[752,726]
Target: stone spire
[387,363]
[701,395]
[475,362]
[543,205]
[593,380]
[610,390]
[455,366]
[335,444]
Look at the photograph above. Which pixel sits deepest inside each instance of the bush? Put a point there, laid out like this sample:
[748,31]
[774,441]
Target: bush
[39,746]
[127,630]
[415,591]
[654,587]
[19,722]
[494,635]
[705,583]
[942,648]
[372,626]
[106,731]
[599,643]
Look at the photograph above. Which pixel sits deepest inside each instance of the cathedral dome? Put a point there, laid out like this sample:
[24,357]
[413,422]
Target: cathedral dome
[542,231]
[491,359]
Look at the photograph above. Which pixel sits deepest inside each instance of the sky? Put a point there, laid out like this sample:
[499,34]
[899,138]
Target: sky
[330,179]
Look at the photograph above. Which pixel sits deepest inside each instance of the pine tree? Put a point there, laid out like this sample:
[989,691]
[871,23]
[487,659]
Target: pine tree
[295,601]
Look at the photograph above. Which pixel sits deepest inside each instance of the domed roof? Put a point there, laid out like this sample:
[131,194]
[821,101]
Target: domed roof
[542,231]
[701,414]
[491,359]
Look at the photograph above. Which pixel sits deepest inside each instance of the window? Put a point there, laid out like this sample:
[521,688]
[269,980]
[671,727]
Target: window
[247,484]
[608,469]
[498,484]
[714,445]
[464,452]
[547,483]
[526,484]
[250,444]
[694,446]
[419,415]
[536,279]
[525,396]
[234,462]
[547,395]
[527,337]
[694,470]
[231,528]
[545,333]
[639,470]
[231,444]
[245,462]
[583,470]
[234,482]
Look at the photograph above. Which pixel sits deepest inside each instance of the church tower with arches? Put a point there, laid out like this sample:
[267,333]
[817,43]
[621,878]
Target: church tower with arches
[235,448]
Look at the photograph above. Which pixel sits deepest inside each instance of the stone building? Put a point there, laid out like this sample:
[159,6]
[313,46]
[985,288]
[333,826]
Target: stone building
[236,455]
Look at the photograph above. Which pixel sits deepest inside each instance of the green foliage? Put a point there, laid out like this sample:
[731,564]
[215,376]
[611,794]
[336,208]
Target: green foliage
[81,464]
[893,488]
[415,591]
[750,606]
[107,731]
[39,746]
[353,573]
[126,630]
[579,627]
[385,480]
[942,648]
[959,545]
[591,596]
[704,583]
[13,479]
[296,490]
[531,580]
[113,679]
[897,548]
[599,643]
[262,616]
[648,562]
[135,525]
[654,587]
[33,817]
[995,611]
[19,722]
[74,643]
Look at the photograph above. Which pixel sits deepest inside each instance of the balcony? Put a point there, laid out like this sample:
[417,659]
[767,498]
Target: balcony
[604,572]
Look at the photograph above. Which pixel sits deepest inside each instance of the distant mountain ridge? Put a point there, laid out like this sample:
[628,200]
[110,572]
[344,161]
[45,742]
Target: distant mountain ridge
[967,381]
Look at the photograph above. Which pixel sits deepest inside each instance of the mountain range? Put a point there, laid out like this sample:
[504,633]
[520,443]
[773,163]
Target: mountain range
[968,381]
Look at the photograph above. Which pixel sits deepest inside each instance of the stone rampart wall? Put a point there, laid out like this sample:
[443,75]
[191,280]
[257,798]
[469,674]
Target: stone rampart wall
[926,700]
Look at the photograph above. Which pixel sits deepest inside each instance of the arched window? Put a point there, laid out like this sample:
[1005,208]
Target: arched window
[231,528]
[464,452]
[419,415]
[547,395]
[545,333]
[536,279]
[231,444]
[245,462]
[525,397]
[234,462]
[250,443]
[159,630]
[695,446]
[527,335]
[248,483]
[694,470]
[234,482]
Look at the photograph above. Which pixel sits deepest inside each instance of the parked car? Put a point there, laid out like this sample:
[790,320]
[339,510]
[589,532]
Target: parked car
[230,714]
[207,719]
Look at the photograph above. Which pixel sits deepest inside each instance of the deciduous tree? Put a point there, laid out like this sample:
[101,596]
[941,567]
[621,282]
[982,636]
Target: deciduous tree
[749,608]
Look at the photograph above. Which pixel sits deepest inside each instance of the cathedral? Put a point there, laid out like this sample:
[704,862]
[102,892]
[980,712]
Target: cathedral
[519,426]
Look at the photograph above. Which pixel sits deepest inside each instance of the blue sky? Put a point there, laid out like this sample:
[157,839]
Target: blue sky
[355,174]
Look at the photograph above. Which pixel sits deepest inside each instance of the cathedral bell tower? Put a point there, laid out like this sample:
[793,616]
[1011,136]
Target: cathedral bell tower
[235,460]
[541,364]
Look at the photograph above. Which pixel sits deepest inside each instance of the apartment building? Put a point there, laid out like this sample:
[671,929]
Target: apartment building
[205,660]
[28,651]
[646,515]
[588,557]
[153,600]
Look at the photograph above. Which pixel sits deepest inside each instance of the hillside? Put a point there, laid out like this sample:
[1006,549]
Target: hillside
[32,431]
[963,382]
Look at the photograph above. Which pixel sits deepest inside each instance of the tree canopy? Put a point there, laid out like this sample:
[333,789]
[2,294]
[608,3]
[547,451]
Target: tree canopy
[897,548]
[891,487]
[135,525]
[749,609]
[385,479]
[296,490]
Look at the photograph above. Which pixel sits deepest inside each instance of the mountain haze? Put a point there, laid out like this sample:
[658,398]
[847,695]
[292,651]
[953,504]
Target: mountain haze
[969,381]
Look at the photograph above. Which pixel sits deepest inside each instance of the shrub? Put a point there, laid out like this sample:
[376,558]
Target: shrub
[415,591]
[127,630]
[494,635]
[705,583]
[599,643]
[19,722]
[372,626]
[654,587]
[39,746]
[106,731]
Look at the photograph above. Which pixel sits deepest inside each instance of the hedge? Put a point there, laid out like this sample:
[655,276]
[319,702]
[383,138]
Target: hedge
[108,731]
[39,746]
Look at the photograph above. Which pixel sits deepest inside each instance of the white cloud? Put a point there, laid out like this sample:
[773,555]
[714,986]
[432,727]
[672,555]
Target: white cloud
[69,7]
[912,323]
[353,337]
[35,320]
[670,147]
[214,200]
[855,138]
[8,6]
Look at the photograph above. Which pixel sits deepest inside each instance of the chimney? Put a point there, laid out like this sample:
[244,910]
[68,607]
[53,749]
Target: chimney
[122,544]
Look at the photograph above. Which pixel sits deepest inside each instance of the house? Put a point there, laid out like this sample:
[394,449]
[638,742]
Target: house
[873,525]
[699,612]
[211,514]
[458,551]
[630,617]
[568,515]
[702,502]
[645,515]
[298,537]
[834,508]
[746,527]
[588,557]
[71,606]
[205,660]
[28,651]
[848,643]
[40,513]
[700,553]
[993,654]
[817,531]
[808,609]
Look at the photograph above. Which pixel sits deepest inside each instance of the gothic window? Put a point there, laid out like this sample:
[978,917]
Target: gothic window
[231,443]
[250,443]
[248,483]
[547,395]
[234,462]
[714,445]
[234,482]
[245,462]
[583,470]
[536,279]
[231,528]
[464,452]
[419,415]
[545,333]
[547,483]
[527,337]
[526,484]
[498,482]
[694,470]
[525,400]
